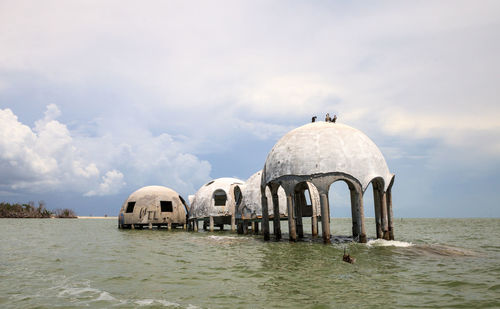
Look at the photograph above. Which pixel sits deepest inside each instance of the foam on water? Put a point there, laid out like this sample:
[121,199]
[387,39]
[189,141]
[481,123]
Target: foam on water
[388,243]
[223,238]
[105,296]
[165,303]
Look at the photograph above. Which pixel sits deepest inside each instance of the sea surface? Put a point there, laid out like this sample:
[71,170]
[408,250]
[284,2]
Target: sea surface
[73,263]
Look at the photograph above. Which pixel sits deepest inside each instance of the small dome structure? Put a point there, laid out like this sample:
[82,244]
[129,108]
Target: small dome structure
[251,202]
[312,157]
[153,206]
[214,203]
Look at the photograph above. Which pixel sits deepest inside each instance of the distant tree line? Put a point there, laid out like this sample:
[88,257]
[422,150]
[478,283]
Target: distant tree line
[29,210]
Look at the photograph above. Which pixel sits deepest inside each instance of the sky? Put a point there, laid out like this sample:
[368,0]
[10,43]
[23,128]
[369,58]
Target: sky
[100,98]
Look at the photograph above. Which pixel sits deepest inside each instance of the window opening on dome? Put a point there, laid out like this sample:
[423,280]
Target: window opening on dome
[166,206]
[209,183]
[220,198]
[308,197]
[130,207]
[237,195]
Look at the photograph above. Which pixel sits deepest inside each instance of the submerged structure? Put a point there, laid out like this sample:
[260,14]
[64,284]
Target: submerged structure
[214,204]
[313,157]
[294,183]
[153,206]
[249,209]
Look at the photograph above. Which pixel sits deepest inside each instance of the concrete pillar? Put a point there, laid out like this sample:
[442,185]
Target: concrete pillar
[276,218]
[314,226]
[354,213]
[361,218]
[378,211]
[325,222]
[132,226]
[253,226]
[390,217]
[233,223]
[185,227]
[150,226]
[245,227]
[211,224]
[291,218]
[195,222]
[300,202]
[169,226]
[256,228]
[314,217]
[265,215]
[384,223]
[315,204]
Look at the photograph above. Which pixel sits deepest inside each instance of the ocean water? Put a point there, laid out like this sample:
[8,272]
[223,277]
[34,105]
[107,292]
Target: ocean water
[73,263]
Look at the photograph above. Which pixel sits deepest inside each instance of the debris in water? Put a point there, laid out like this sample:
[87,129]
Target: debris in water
[348,258]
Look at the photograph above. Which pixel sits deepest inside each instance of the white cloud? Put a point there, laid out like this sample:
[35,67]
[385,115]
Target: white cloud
[111,183]
[262,130]
[51,158]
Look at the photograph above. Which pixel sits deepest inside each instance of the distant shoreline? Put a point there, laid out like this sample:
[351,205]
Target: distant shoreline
[89,217]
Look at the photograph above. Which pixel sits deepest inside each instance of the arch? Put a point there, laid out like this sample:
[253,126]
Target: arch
[186,207]
[306,204]
[274,189]
[339,202]
[355,196]
[238,197]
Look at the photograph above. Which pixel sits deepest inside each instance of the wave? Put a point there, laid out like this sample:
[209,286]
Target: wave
[223,238]
[86,295]
[388,243]
[422,249]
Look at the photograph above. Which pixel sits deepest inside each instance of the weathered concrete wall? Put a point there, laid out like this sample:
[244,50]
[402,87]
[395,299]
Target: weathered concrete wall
[251,204]
[147,207]
[203,204]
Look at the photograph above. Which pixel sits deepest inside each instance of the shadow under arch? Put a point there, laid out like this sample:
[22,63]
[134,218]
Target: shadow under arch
[306,204]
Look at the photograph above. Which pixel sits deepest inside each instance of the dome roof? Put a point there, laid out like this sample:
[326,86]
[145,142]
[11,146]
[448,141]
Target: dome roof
[326,147]
[153,190]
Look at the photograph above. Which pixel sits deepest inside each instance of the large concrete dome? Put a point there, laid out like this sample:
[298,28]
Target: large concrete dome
[324,147]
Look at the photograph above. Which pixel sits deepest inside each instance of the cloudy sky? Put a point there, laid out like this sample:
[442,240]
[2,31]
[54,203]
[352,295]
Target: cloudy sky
[99,98]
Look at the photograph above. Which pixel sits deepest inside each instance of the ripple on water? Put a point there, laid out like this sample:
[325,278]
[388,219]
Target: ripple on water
[104,267]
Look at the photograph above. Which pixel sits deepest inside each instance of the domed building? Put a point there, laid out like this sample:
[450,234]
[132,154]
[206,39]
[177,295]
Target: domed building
[215,203]
[156,206]
[313,157]
[249,208]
